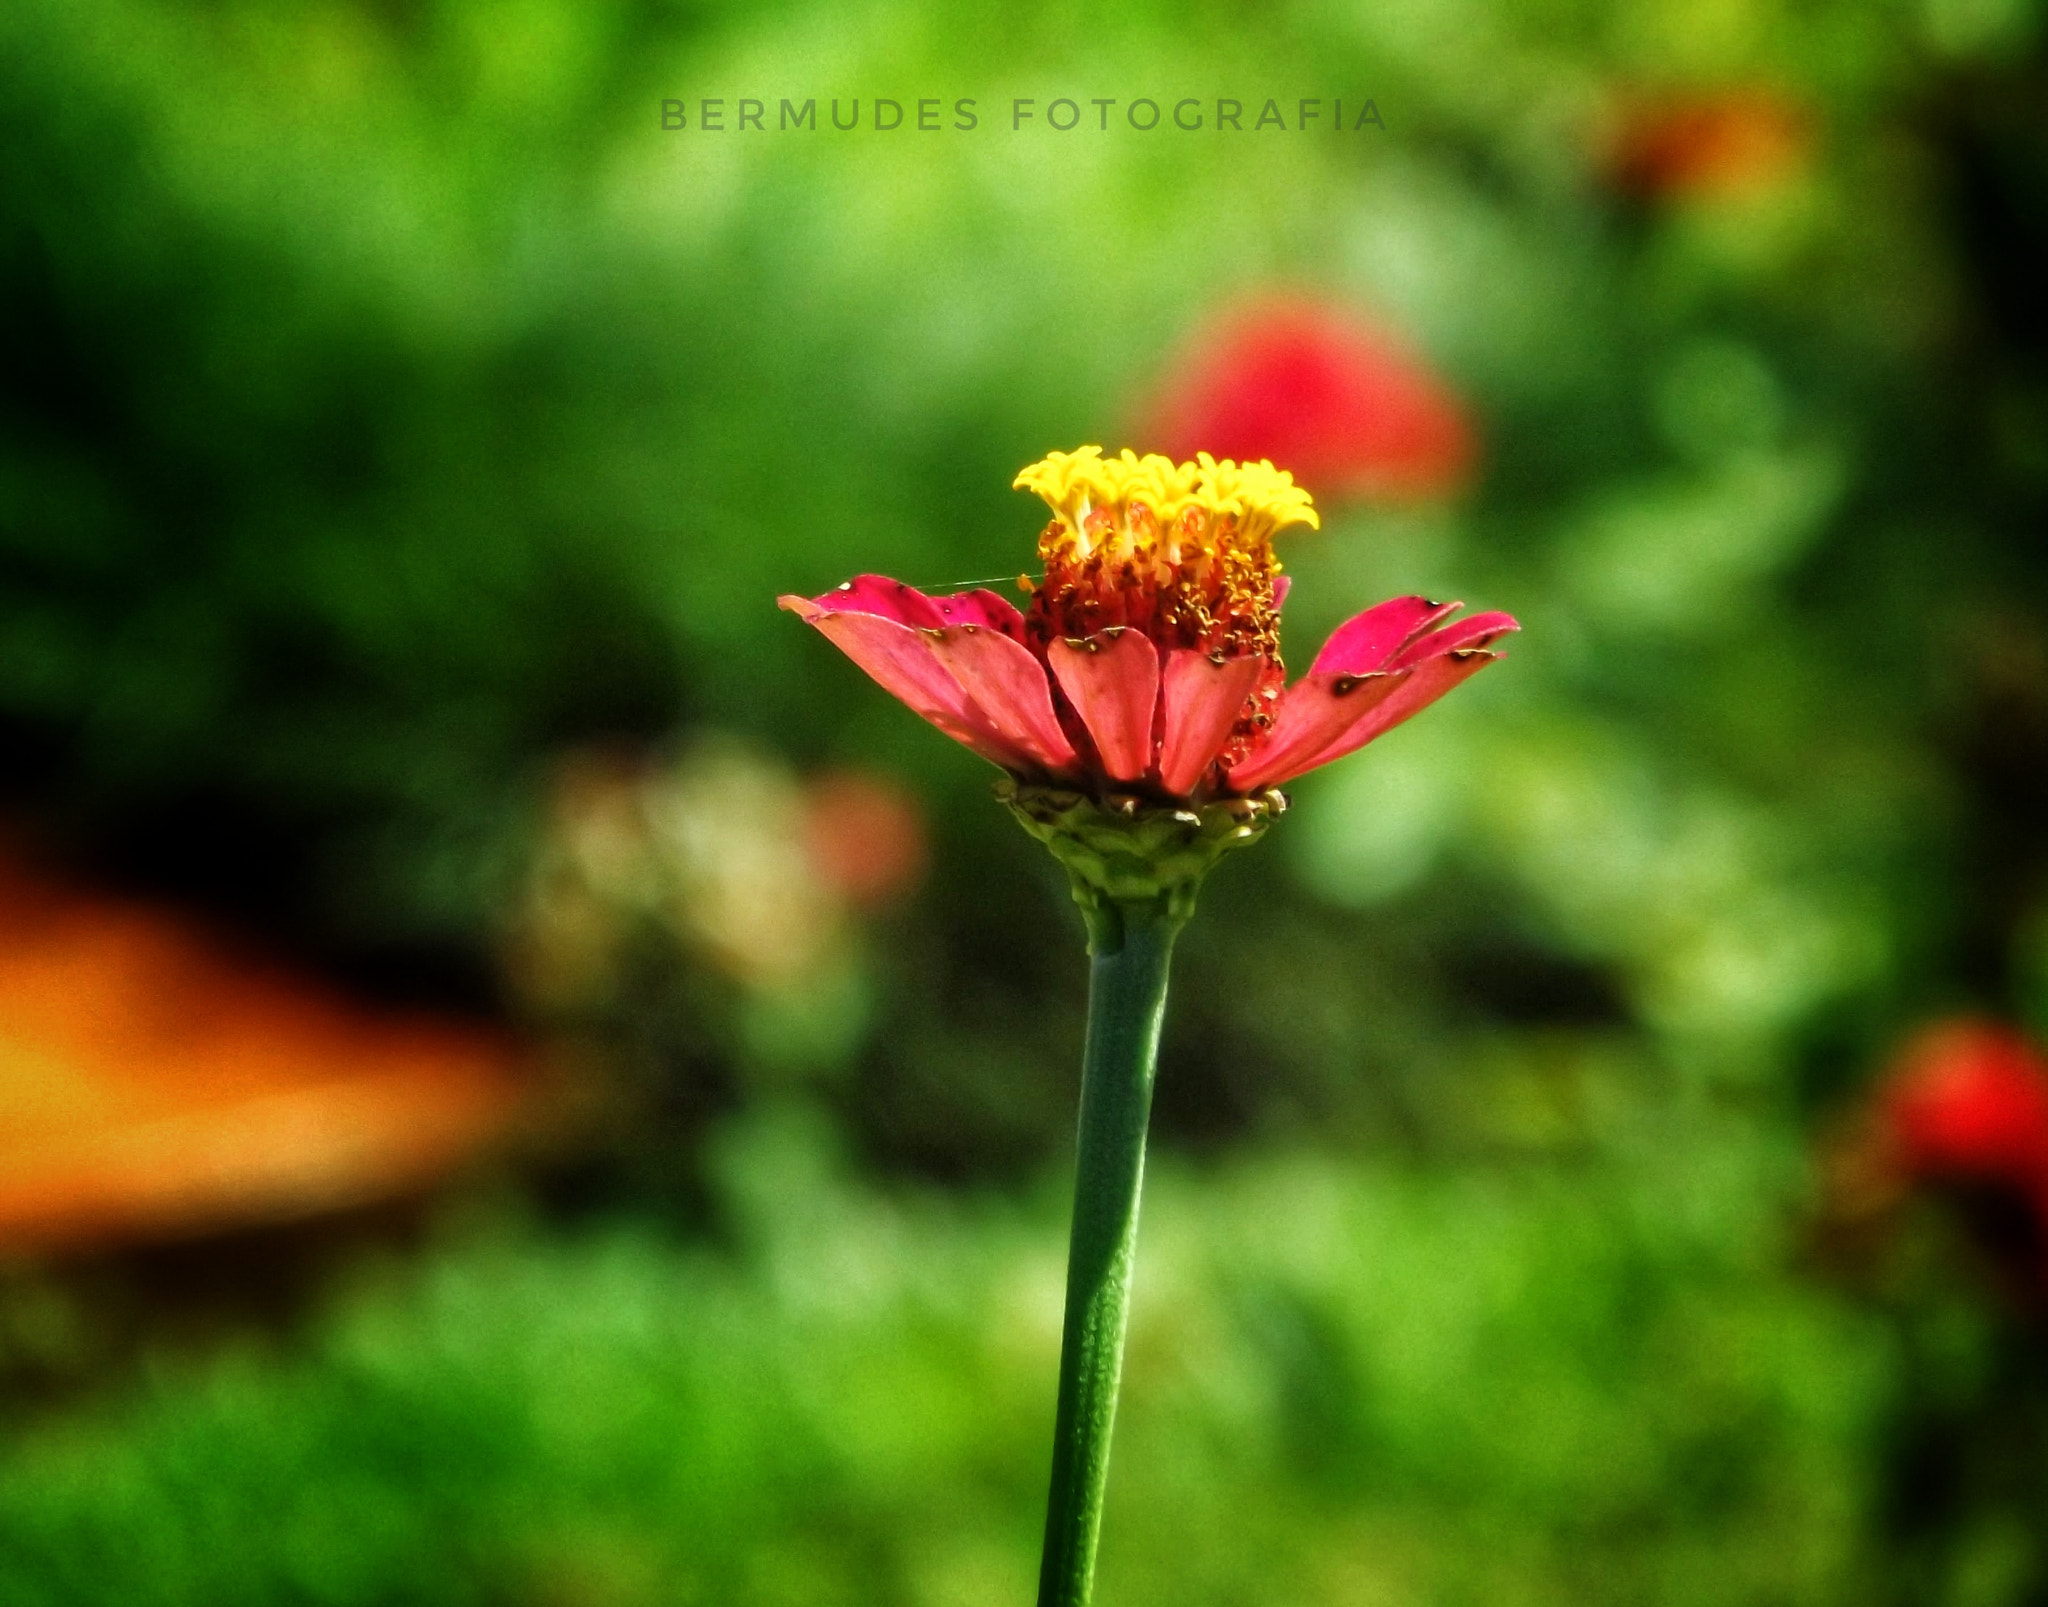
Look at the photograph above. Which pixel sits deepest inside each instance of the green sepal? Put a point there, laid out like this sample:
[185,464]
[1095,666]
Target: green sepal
[1122,850]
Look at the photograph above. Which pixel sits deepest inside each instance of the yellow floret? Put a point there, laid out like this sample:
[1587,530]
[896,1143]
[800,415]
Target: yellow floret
[1181,551]
[1255,499]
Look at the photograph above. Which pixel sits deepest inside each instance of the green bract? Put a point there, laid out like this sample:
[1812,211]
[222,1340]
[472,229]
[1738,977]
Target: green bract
[1123,850]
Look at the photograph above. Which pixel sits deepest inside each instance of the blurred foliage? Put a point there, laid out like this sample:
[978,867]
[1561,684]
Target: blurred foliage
[392,406]
[1615,1399]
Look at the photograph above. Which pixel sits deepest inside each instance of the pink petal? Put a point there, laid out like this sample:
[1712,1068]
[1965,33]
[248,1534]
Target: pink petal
[1412,692]
[982,607]
[1112,679]
[1369,641]
[878,594]
[1008,684]
[903,663]
[1202,700]
[1481,630]
[1314,713]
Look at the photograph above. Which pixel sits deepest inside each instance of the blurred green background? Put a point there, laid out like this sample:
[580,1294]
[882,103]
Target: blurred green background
[397,420]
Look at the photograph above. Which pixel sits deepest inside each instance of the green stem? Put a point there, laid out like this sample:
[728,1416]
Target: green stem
[1131,946]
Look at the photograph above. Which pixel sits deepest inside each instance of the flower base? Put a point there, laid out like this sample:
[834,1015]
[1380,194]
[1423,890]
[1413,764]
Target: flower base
[1123,850]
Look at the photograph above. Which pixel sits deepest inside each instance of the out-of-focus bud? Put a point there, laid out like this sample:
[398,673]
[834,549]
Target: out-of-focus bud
[591,873]
[1705,146]
[728,829]
[719,855]
[650,870]
[1344,405]
[866,836]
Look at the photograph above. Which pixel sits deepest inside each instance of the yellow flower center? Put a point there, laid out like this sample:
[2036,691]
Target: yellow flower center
[1183,552]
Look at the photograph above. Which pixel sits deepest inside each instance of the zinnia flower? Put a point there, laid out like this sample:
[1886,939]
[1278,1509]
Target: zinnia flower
[1147,663]
[1140,708]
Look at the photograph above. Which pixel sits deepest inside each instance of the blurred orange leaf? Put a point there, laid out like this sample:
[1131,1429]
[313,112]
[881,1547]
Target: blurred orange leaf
[154,1083]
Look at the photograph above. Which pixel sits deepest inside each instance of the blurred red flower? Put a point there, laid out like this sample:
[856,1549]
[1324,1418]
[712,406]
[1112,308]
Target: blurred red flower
[1961,1113]
[1346,406]
[1707,145]
[1967,1101]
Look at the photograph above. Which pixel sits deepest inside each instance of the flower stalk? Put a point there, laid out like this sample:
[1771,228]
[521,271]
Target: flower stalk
[1130,945]
[1135,869]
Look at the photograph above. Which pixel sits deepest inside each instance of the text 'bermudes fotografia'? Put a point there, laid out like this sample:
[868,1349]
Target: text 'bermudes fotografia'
[928,114]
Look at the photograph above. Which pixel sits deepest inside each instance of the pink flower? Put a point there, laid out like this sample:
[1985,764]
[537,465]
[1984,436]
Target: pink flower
[1148,661]
[1345,405]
